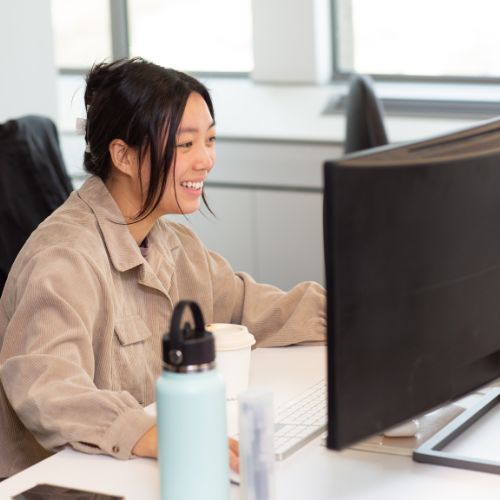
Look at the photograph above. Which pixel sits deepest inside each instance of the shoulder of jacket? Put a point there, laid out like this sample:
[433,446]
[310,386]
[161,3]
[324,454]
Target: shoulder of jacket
[66,232]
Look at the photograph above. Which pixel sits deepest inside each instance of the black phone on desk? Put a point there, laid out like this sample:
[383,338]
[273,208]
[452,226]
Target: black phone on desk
[53,492]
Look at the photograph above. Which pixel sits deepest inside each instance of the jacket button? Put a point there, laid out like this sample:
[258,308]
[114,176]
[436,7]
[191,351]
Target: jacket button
[116,449]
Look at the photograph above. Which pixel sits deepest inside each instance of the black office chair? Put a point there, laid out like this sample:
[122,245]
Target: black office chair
[33,182]
[364,116]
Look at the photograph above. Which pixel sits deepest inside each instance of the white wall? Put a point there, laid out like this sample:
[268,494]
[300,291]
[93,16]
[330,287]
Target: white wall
[28,73]
[291,41]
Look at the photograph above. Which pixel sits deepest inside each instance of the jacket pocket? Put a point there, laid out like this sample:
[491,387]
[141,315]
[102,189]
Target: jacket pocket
[130,356]
[131,330]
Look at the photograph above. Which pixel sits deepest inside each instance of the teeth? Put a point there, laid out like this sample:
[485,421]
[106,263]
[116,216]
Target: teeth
[192,185]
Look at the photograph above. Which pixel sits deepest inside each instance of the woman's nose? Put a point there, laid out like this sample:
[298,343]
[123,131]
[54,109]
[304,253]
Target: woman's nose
[205,159]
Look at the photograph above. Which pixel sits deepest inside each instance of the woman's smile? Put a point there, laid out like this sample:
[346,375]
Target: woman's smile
[192,187]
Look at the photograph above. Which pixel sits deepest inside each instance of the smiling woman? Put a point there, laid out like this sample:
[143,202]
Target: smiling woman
[134,157]
[137,181]
[92,292]
[195,157]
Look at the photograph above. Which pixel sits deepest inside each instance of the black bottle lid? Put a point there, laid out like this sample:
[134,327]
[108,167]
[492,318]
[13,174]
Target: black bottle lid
[186,349]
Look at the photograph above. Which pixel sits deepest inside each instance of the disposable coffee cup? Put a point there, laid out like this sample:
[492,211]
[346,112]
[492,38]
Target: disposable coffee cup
[233,345]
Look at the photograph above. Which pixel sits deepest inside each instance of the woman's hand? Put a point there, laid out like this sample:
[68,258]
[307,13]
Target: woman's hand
[234,455]
[147,446]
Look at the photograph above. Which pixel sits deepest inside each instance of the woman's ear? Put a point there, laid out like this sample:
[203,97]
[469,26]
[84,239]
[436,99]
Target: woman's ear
[123,157]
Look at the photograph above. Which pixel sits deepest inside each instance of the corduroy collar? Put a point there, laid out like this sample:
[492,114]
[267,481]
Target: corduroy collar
[123,250]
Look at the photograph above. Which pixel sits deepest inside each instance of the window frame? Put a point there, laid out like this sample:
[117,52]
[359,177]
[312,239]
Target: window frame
[120,45]
[436,106]
[120,49]
[340,75]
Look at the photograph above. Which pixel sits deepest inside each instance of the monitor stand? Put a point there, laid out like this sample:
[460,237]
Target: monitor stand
[432,450]
[430,424]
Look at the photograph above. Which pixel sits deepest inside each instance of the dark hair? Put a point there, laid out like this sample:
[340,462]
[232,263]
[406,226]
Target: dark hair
[138,102]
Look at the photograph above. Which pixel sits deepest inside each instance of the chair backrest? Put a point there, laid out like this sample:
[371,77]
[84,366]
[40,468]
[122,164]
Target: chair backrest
[33,182]
[364,116]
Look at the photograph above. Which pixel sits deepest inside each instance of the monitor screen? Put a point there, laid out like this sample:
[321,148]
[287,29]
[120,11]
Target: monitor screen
[412,256]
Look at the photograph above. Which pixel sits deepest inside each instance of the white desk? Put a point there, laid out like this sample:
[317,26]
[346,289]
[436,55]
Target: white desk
[312,473]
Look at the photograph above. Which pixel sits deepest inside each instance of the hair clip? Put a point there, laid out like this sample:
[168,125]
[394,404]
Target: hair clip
[81,126]
[81,129]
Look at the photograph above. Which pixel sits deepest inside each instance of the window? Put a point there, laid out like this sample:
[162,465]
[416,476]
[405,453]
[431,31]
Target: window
[189,35]
[437,38]
[82,34]
[193,35]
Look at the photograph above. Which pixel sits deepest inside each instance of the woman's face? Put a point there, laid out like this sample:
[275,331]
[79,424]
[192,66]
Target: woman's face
[195,157]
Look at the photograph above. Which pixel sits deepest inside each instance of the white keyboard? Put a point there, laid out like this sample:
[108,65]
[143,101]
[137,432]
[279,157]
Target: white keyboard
[300,420]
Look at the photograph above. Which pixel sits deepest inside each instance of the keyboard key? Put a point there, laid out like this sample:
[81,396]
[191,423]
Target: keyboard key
[300,420]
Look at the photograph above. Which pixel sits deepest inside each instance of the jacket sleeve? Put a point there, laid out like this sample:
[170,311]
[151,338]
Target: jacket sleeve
[274,317]
[47,359]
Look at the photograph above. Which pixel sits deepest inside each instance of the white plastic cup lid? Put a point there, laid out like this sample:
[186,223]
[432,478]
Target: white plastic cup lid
[229,337]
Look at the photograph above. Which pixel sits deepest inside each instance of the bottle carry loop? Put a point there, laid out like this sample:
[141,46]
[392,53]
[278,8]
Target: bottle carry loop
[186,350]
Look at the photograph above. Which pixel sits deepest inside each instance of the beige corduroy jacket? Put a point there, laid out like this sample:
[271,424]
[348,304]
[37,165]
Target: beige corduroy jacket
[81,321]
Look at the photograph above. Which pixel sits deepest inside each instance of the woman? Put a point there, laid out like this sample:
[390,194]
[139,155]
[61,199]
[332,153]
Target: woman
[92,291]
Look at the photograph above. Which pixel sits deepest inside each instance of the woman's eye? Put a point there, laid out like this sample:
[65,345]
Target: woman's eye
[185,145]
[212,139]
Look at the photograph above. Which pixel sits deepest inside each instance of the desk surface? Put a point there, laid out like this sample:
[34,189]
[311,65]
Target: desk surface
[312,473]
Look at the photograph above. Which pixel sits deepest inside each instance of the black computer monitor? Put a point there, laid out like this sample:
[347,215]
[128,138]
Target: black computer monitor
[412,255]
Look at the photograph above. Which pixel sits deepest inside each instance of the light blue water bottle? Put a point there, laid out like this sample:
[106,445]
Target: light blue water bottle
[191,412]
